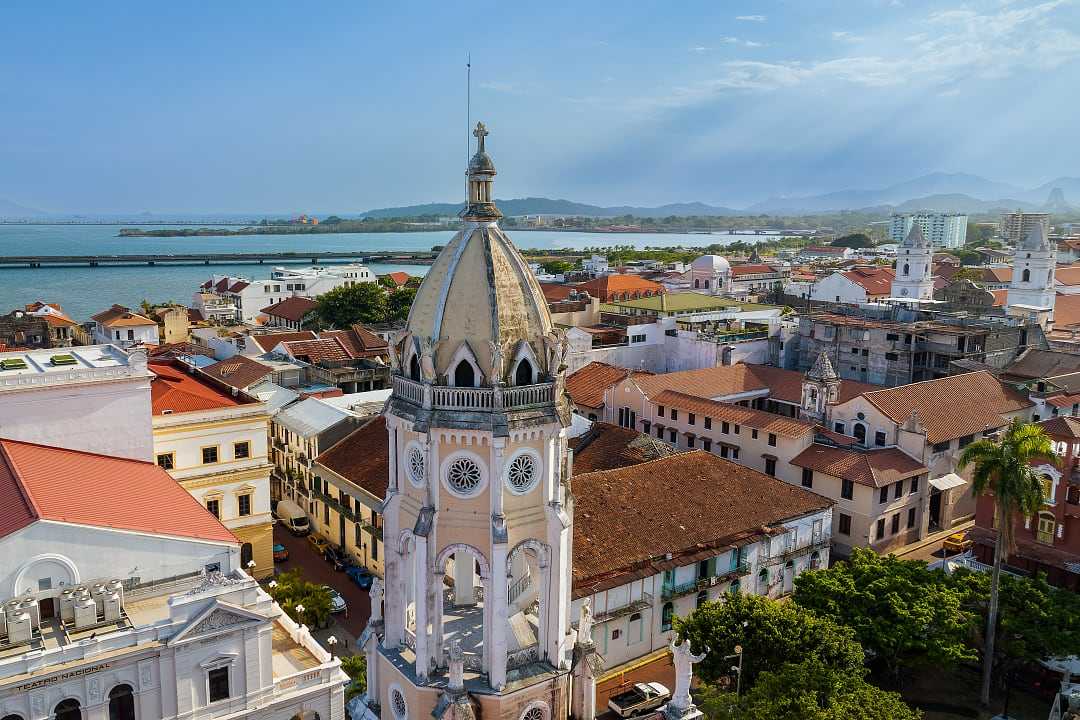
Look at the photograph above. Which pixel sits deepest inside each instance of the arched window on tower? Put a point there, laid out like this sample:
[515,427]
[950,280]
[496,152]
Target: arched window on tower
[464,376]
[906,268]
[121,703]
[414,368]
[67,710]
[524,373]
[860,433]
[1026,275]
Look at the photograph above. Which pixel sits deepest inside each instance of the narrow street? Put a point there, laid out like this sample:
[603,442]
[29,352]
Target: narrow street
[314,569]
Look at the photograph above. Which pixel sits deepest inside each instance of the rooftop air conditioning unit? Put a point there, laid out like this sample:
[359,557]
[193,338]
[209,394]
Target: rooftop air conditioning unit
[85,613]
[20,627]
[67,605]
[30,606]
[112,607]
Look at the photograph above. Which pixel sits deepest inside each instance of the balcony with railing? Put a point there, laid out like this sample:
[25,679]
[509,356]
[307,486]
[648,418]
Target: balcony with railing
[440,397]
[703,583]
[626,608]
[786,552]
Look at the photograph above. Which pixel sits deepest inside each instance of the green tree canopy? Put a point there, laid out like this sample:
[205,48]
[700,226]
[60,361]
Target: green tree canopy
[355,666]
[360,303]
[555,267]
[290,590]
[854,240]
[902,613]
[398,303]
[807,690]
[770,633]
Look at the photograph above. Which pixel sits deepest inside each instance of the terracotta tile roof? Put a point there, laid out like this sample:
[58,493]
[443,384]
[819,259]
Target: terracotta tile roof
[1064,401]
[875,468]
[602,287]
[399,278]
[174,390]
[322,350]
[1069,275]
[606,447]
[268,341]
[36,483]
[754,269]
[239,371]
[554,292]
[362,457]
[1000,297]
[952,407]
[996,275]
[293,309]
[1066,311]
[120,316]
[724,380]
[1036,363]
[875,281]
[238,286]
[359,342]
[625,520]
[1062,426]
[222,285]
[703,407]
[588,384]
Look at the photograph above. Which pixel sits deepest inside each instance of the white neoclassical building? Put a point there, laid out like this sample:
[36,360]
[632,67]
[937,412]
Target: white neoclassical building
[478,513]
[138,608]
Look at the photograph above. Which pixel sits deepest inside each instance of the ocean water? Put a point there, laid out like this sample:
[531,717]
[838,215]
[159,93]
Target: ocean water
[83,291]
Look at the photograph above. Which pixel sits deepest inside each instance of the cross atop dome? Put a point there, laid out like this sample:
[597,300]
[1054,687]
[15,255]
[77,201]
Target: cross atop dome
[481,207]
[480,133]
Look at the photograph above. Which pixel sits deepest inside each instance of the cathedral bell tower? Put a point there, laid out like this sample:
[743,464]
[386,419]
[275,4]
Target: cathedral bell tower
[913,261]
[478,515]
[1034,262]
[820,390]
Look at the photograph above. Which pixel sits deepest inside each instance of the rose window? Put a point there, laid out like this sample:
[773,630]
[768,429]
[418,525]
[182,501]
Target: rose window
[521,473]
[397,701]
[416,466]
[533,714]
[463,476]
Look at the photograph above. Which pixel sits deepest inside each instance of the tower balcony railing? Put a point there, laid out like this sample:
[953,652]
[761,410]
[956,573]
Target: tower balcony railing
[440,397]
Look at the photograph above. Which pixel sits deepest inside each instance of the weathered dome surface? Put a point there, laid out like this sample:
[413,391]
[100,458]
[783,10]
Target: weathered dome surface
[711,263]
[480,292]
[915,238]
[481,162]
[822,369]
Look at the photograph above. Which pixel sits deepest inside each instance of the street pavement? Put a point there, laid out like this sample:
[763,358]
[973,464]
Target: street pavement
[314,569]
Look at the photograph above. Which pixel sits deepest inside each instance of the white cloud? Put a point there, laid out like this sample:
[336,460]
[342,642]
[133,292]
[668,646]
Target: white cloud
[699,49]
[751,18]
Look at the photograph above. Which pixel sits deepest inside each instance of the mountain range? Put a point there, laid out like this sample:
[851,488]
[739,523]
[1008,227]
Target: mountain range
[940,192]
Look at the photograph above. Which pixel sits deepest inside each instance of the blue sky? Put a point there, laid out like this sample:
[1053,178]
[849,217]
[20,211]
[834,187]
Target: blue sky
[285,106]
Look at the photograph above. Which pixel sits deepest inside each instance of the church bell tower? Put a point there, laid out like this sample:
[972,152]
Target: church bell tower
[478,515]
[913,263]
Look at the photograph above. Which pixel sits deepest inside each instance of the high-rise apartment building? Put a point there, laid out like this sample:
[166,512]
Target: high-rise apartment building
[943,230]
[1016,226]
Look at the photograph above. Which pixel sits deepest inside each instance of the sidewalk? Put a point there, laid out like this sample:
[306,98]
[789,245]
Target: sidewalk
[929,548]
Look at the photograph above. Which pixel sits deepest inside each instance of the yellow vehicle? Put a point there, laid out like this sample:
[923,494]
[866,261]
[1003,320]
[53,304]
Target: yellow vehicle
[956,543]
[317,543]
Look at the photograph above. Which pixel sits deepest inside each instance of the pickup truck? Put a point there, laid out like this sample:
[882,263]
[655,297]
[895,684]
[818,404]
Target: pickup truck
[641,698]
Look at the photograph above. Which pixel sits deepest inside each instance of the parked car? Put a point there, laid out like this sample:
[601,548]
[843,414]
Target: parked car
[956,543]
[318,544]
[360,575]
[641,698]
[336,557]
[337,603]
[281,553]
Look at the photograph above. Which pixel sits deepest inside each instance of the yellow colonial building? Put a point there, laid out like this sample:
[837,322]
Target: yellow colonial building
[214,441]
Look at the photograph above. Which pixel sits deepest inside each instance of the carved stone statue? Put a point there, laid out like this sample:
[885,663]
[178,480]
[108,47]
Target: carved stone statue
[427,359]
[395,343]
[496,362]
[684,660]
[585,623]
[376,595]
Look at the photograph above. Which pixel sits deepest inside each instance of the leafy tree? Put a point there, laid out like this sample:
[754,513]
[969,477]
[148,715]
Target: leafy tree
[386,281]
[359,303]
[770,633]
[355,666]
[854,240]
[978,234]
[967,273]
[556,267]
[398,303]
[332,220]
[1002,468]
[290,590]
[902,613]
[807,690]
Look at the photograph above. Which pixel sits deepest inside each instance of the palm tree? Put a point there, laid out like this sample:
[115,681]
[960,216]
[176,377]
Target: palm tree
[1003,469]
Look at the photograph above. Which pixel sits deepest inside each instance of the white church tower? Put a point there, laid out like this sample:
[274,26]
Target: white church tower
[914,259]
[478,517]
[1032,284]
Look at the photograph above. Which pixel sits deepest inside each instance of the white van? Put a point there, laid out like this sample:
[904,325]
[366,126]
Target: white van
[292,517]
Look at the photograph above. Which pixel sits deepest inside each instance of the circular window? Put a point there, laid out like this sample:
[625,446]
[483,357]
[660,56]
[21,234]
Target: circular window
[463,476]
[397,703]
[533,714]
[415,464]
[523,472]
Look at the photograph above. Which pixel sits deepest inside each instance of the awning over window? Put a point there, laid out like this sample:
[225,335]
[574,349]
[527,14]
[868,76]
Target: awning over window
[948,482]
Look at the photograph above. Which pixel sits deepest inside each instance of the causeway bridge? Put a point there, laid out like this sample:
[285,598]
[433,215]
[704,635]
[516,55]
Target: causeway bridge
[252,258]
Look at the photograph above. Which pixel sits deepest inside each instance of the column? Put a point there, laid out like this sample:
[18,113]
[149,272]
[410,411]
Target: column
[464,573]
[500,619]
[420,603]
[437,616]
[544,595]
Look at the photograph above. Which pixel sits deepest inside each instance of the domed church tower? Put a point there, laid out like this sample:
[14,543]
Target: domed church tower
[478,513]
[914,259]
[1034,262]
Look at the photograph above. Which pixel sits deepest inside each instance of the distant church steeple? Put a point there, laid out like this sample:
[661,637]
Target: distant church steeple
[913,262]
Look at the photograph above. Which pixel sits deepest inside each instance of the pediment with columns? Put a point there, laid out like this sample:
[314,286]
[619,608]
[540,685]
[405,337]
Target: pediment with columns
[218,618]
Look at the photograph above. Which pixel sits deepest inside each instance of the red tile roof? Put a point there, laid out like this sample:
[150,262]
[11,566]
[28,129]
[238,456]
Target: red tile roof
[238,286]
[38,482]
[703,407]
[399,278]
[606,287]
[748,269]
[1001,295]
[293,309]
[174,390]
[723,380]
[875,281]
[1066,311]
[222,285]
[554,292]
[952,407]
[588,384]
[625,520]
[268,341]
[239,371]
[359,342]
[606,447]
[875,468]
[314,351]
[1061,427]
[362,457]
[120,316]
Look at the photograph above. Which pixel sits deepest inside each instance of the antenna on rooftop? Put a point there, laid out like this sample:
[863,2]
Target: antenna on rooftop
[468,106]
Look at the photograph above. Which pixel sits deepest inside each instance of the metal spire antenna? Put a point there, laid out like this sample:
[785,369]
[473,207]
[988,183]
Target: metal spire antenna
[468,106]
